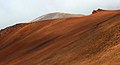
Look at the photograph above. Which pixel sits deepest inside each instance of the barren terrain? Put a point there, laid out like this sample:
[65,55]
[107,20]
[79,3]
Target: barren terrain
[88,40]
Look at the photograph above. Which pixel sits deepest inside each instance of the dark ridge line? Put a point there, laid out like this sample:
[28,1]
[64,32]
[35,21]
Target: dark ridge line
[38,46]
[42,44]
[98,10]
[10,43]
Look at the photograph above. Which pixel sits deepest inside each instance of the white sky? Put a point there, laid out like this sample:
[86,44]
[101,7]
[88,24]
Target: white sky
[14,11]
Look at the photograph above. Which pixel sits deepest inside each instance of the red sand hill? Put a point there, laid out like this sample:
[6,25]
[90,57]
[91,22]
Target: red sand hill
[88,40]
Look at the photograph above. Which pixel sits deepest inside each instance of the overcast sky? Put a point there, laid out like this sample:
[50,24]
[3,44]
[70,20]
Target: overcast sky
[14,11]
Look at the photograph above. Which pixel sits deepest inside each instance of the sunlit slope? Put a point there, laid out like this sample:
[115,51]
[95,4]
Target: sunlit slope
[88,40]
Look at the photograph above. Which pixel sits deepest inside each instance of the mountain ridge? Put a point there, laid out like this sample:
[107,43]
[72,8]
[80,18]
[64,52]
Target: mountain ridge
[88,40]
[56,15]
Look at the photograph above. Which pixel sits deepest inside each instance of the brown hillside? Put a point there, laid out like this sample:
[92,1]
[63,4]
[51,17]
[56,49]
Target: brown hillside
[88,40]
[9,30]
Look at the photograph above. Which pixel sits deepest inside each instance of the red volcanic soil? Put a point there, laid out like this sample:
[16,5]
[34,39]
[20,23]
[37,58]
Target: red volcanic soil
[9,30]
[88,40]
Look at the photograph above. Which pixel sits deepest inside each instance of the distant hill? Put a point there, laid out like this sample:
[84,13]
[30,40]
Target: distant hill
[56,15]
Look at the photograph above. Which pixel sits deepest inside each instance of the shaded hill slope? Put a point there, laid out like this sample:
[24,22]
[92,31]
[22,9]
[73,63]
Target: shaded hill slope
[89,40]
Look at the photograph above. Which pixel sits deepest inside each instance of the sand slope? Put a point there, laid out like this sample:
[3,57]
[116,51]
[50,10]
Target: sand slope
[88,40]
